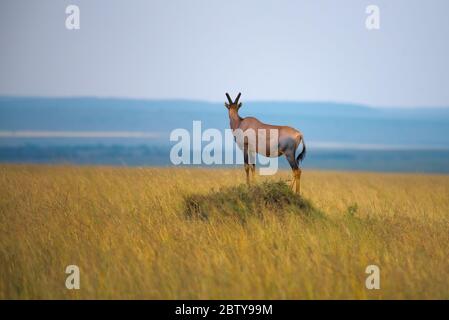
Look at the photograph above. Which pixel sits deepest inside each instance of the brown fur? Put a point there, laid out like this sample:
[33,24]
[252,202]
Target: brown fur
[288,141]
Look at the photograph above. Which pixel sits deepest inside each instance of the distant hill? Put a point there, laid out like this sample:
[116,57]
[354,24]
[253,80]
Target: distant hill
[323,123]
[339,136]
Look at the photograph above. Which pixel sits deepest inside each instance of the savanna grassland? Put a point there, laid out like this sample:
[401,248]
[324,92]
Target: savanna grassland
[165,233]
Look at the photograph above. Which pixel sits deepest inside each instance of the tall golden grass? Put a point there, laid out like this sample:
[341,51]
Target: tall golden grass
[128,231]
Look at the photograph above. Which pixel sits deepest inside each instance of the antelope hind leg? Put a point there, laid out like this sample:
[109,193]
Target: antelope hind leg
[292,184]
[297,179]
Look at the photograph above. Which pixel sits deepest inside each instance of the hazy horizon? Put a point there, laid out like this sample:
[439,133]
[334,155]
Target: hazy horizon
[136,132]
[180,99]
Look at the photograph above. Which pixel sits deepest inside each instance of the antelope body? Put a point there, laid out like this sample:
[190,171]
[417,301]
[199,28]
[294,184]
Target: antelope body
[286,140]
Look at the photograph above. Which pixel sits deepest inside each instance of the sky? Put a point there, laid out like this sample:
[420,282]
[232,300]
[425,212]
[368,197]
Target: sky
[312,50]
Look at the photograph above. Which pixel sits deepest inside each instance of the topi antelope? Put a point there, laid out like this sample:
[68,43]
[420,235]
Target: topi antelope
[285,141]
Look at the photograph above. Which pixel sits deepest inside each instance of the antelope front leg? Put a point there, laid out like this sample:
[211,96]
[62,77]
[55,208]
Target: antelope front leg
[246,155]
[253,172]
[247,173]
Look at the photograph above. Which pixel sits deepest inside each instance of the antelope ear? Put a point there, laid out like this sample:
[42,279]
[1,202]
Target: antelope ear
[226,105]
[239,105]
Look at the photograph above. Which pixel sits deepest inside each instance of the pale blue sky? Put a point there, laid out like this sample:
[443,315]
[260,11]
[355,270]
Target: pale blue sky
[191,49]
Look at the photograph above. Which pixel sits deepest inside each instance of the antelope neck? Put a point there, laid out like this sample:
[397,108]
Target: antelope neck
[235,119]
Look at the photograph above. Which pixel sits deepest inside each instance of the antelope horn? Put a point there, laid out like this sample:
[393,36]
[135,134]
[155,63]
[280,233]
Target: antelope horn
[237,99]
[229,98]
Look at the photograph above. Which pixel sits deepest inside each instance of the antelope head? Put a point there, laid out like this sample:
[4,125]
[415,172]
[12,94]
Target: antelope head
[233,105]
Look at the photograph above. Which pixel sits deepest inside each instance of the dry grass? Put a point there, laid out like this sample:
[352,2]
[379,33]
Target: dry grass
[130,232]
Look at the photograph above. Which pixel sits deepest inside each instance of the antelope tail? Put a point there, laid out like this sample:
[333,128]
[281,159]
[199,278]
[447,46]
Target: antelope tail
[302,154]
